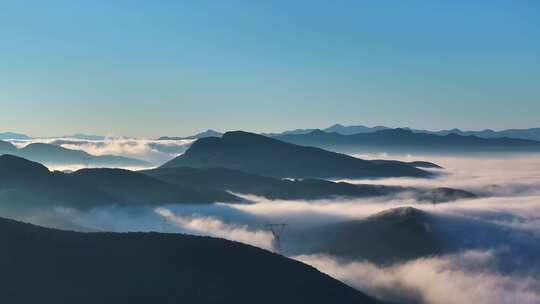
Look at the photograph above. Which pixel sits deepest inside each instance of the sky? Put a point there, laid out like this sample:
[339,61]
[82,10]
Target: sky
[154,68]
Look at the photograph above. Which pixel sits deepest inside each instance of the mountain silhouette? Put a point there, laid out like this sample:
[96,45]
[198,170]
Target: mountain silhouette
[265,156]
[7,147]
[42,265]
[530,134]
[304,189]
[337,128]
[405,233]
[207,133]
[136,188]
[13,167]
[402,140]
[12,135]
[349,130]
[271,188]
[394,235]
[417,164]
[28,185]
[56,155]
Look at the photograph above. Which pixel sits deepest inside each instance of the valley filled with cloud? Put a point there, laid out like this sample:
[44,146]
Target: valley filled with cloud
[480,250]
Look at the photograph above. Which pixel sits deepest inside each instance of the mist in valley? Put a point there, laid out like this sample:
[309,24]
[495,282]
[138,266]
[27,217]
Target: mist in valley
[156,152]
[489,246]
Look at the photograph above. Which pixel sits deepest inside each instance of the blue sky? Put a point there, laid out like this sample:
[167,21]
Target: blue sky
[151,68]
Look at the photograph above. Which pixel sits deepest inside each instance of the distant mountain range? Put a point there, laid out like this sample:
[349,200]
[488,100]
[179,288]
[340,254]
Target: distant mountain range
[403,140]
[19,136]
[531,134]
[11,135]
[55,155]
[207,133]
[86,136]
[337,128]
[43,265]
[261,155]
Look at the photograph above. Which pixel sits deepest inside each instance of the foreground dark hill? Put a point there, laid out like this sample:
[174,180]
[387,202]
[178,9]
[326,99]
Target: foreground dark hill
[261,155]
[40,265]
[402,140]
[25,184]
[305,189]
[55,155]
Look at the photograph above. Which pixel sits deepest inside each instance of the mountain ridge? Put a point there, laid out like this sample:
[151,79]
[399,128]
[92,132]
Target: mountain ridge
[31,185]
[57,155]
[13,135]
[207,133]
[526,133]
[305,189]
[408,141]
[261,155]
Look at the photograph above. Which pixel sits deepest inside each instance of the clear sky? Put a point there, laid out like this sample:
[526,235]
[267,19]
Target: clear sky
[152,68]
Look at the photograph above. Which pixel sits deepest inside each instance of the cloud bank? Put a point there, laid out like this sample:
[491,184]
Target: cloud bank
[467,277]
[497,262]
[154,151]
[513,174]
[215,227]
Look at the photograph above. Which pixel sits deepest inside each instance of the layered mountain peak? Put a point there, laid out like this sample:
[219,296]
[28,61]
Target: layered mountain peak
[406,212]
[11,165]
[397,131]
[319,132]
[262,155]
[208,133]
[243,136]
[6,147]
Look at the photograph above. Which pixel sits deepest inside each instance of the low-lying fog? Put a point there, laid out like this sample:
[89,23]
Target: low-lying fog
[156,152]
[499,264]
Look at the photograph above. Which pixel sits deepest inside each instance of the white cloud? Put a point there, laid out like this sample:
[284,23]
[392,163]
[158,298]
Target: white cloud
[517,174]
[154,151]
[213,226]
[467,277]
[471,276]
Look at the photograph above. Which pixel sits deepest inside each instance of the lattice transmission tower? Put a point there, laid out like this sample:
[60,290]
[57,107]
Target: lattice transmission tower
[277,230]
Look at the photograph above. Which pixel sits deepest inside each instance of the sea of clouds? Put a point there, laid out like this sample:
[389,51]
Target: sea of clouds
[499,264]
[154,151]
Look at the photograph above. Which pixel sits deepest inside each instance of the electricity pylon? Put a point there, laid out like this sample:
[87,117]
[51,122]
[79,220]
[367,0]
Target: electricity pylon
[277,230]
[87,160]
